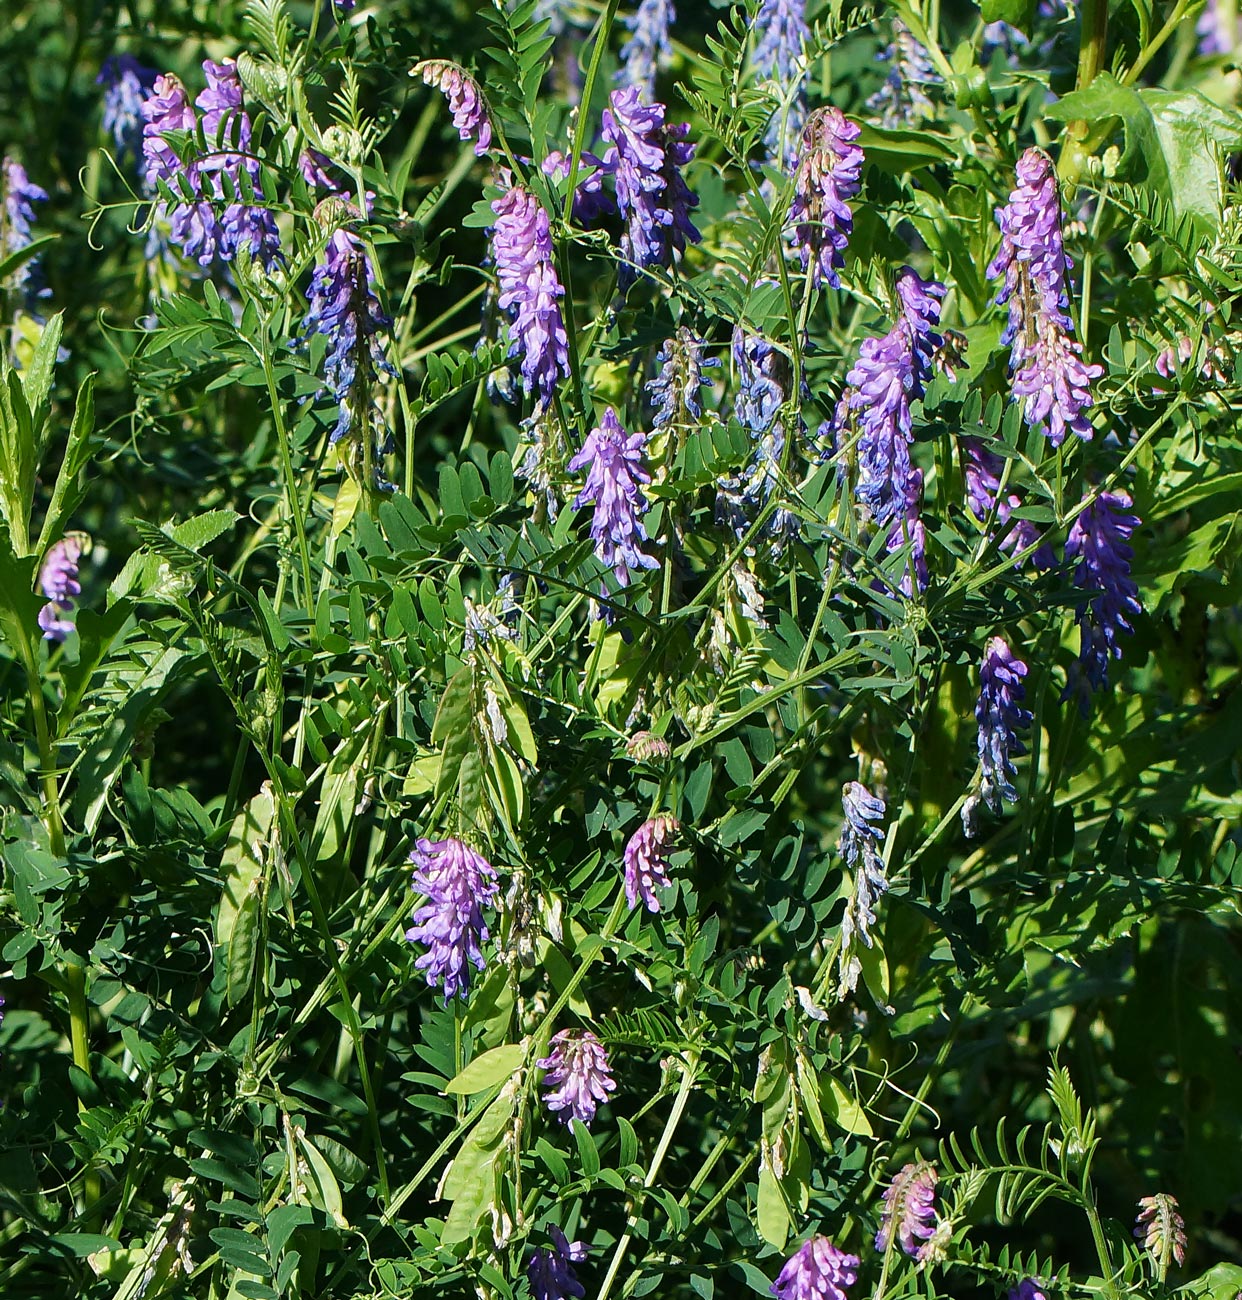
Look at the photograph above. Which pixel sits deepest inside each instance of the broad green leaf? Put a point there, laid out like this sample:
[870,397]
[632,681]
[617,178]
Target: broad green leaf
[237,914]
[198,531]
[488,1069]
[1017,13]
[70,480]
[772,1216]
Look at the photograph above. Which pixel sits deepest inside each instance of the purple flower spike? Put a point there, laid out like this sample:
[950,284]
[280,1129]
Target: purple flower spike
[829,169]
[783,34]
[648,48]
[816,1271]
[58,580]
[889,374]
[1099,540]
[458,884]
[167,109]
[1162,1230]
[551,1277]
[530,292]
[982,471]
[126,85]
[1027,1289]
[1000,715]
[345,309]
[464,98]
[613,460]
[645,157]
[646,861]
[17,220]
[910,1210]
[578,1076]
[859,845]
[907,529]
[675,390]
[1049,375]
[902,100]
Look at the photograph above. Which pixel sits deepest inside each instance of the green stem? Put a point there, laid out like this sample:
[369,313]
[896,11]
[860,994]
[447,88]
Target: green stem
[291,483]
[584,105]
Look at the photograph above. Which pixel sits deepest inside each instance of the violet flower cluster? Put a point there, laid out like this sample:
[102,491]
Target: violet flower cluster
[828,175]
[649,48]
[550,1269]
[1000,716]
[578,1076]
[530,292]
[645,157]
[60,583]
[211,219]
[345,309]
[127,84]
[859,845]
[465,100]
[817,1270]
[674,392]
[613,460]
[780,58]
[983,470]
[459,884]
[1099,542]
[903,100]
[1050,377]
[909,1213]
[17,218]
[1161,1229]
[646,861]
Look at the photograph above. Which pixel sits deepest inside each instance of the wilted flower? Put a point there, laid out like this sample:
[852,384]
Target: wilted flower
[648,48]
[909,1209]
[465,100]
[1162,1231]
[1049,374]
[58,580]
[674,392]
[816,1271]
[458,883]
[551,1277]
[902,100]
[1099,541]
[647,747]
[16,222]
[613,460]
[530,291]
[344,308]
[646,861]
[578,1076]
[1000,715]
[126,85]
[645,158]
[829,169]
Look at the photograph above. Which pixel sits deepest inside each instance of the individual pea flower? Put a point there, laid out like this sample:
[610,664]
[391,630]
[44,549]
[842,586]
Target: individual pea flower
[648,48]
[1099,541]
[1162,1230]
[344,308]
[459,884]
[550,1272]
[167,109]
[465,100]
[907,529]
[646,861]
[1000,715]
[1169,361]
[645,157]
[817,1270]
[1027,1289]
[828,174]
[613,460]
[674,392]
[17,217]
[60,583]
[982,470]
[314,168]
[909,1211]
[530,292]
[903,100]
[126,85]
[578,1076]
[1050,377]
[889,374]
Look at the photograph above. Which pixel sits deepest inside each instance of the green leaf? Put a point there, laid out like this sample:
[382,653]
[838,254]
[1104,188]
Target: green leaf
[903,150]
[844,1111]
[70,481]
[237,914]
[1017,13]
[470,1182]
[197,532]
[488,1069]
[772,1217]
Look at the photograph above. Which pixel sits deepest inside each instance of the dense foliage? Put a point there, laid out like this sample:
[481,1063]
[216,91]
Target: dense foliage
[619,649]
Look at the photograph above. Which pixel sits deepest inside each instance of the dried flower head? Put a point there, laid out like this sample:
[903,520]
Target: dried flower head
[646,861]
[817,1270]
[578,1076]
[647,747]
[909,1209]
[459,884]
